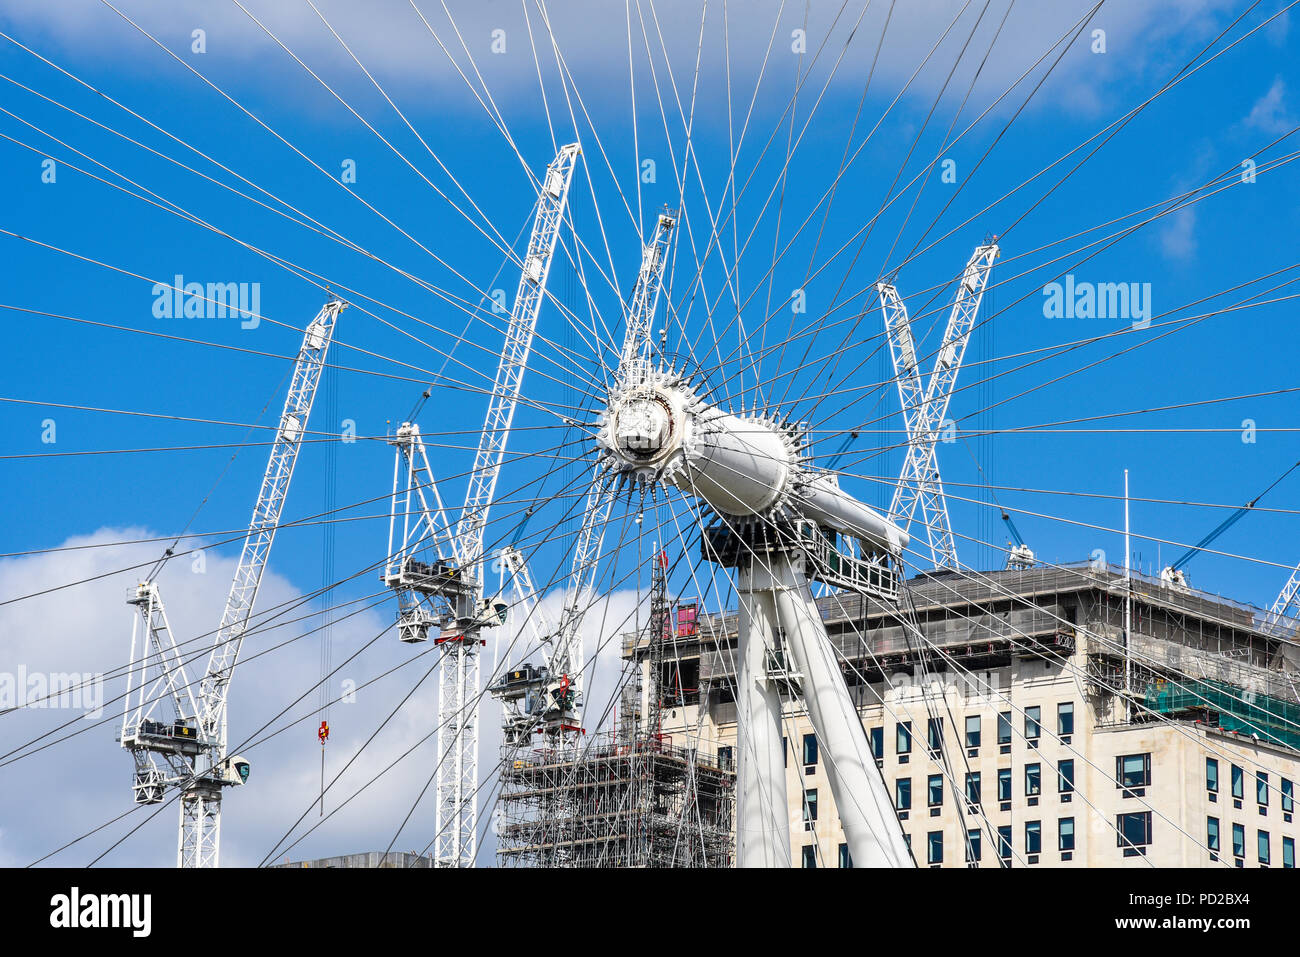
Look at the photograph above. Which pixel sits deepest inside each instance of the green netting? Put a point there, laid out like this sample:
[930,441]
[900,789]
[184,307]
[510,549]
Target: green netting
[1245,712]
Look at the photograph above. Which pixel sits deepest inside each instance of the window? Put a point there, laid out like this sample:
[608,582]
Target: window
[1033,780]
[1004,845]
[1263,847]
[1238,840]
[903,794]
[1288,796]
[809,751]
[1004,732]
[934,847]
[1134,832]
[726,758]
[1238,786]
[785,752]
[903,738]
[1033,723]
[846,860]
[877,738]
[934,792]
[1133,770]
[1212,837]
[1004,784]
[1065,834]
[809,808]
[934,735]
[810,855]
[1261,791]
[1065,719]
[973,847]
[1033,838]
[973,732]
[1065,776]
[1212,778]
[1288,852]
[973,789]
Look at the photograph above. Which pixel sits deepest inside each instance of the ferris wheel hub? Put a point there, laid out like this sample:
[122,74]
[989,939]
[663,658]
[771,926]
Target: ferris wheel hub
[656,429]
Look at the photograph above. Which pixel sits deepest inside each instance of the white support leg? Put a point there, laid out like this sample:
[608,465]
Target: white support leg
[871,827]
[762,817]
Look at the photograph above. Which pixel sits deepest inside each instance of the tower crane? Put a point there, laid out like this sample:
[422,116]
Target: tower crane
[1173,574]
[453,582]
[924,409]
[1019,555]
[187,747]
[549,699]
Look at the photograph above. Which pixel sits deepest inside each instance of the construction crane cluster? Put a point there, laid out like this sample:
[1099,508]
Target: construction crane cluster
[781,521]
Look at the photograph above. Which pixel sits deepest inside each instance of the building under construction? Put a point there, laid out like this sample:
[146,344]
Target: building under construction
[616,801]
[1048,715]
[631,798]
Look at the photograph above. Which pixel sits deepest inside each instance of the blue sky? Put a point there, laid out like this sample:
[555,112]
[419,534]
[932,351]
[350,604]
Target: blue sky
[1203,128]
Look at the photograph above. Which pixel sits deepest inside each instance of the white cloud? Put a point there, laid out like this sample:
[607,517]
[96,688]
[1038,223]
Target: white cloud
[1269,113]
[1178,235]
[391,40]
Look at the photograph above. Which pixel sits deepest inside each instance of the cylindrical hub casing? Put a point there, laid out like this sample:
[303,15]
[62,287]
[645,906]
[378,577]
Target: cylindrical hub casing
[738,466]
[822,501]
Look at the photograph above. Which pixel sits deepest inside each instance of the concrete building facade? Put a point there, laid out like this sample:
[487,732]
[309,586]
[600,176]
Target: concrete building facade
[1028,727]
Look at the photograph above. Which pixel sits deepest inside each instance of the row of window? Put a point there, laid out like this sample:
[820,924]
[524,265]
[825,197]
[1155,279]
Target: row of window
[1033,778]
[974,733]
[1263,844]
[973,841]
[1238,784]
[1133,833]
[809,858]
[1033,843]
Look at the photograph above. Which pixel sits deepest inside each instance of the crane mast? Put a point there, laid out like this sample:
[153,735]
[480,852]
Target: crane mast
[455,582]
[200,823]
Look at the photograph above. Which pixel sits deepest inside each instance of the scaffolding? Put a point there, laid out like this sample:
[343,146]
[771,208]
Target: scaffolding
[626,798]
[1224,706]
[614,802]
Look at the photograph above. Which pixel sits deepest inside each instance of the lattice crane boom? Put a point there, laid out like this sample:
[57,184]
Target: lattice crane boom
[514,354]
[912,398]
[919,484]
[638,337]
